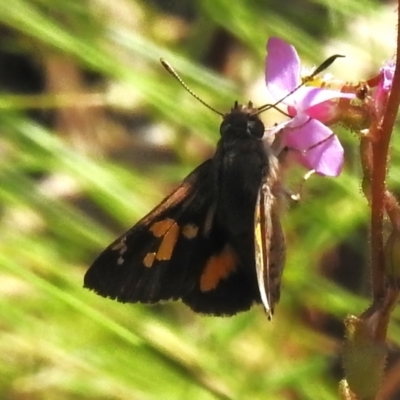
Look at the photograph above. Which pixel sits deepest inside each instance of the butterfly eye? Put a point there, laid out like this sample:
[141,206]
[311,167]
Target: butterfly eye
[225,127]
[256,128]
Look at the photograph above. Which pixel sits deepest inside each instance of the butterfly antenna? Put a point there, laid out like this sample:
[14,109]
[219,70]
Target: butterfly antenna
[328,62]
[171,70]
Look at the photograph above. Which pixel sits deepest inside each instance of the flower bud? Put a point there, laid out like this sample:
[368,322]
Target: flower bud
[364,359]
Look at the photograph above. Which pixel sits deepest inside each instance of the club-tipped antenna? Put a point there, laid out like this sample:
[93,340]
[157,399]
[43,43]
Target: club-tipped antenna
[328,62]
[171,70]
[325,64]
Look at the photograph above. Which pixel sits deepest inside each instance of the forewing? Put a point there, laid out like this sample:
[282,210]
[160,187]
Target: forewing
[152,261]
[177,251]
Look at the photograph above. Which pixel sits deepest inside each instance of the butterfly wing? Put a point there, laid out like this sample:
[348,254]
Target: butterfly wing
[270,248]
[146,263]
[178,251]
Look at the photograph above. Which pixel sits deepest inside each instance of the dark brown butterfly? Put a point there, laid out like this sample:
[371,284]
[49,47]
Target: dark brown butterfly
[216,242]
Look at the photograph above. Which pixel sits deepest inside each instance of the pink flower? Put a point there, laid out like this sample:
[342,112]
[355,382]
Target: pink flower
[385,84]
[314,144]
[387,72]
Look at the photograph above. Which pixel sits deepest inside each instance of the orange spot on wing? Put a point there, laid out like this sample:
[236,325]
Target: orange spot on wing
[149,259]
[190,231]
[121,247]
[168,242]
[218,267]
[160,228]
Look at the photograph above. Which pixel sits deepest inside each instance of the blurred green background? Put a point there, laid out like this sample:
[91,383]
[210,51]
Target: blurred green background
[93,133]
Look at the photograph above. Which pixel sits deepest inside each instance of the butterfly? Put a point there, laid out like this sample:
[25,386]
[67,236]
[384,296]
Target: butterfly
[216,242]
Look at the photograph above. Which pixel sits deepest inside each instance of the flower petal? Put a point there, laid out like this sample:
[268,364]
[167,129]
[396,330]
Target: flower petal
[307,97]
[282,69]
[388,73]
[327,157]
[317,147]
[382,92]
[303,133]
[276,129]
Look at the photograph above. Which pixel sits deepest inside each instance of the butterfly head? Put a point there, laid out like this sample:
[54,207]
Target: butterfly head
[241,121]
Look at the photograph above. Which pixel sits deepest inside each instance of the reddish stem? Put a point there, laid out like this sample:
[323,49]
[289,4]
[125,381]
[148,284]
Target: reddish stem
[382,134]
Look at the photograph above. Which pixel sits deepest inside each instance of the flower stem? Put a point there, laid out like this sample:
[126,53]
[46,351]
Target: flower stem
[380,147]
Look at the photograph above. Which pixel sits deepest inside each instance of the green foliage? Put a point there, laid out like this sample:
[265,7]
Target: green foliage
[59,341]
